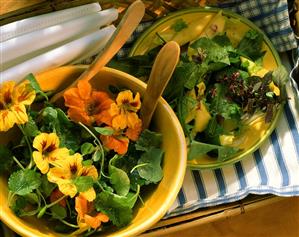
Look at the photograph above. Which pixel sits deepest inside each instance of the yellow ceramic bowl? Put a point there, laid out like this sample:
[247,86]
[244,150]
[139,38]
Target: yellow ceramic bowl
[236,26]
[156,200]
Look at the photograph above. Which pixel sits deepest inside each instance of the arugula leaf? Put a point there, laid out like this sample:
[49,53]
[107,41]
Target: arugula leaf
[152,172]
[251,45]
[198,149]
[178,25]
[83,183]
[184,106]
[148,139]
[35,86]
[118,178]
[213,53]
[6,160]
[23,182]
[224,42]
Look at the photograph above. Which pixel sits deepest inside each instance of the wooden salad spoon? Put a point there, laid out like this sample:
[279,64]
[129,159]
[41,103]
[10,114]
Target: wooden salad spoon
[124,30]
[163,67]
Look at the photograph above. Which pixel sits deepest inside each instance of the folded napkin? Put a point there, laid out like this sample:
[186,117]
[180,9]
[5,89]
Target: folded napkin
[59,56]
[21,27]
[28,45]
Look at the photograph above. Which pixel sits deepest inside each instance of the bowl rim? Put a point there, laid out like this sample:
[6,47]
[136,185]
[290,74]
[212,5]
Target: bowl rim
[267,42]
[172,195]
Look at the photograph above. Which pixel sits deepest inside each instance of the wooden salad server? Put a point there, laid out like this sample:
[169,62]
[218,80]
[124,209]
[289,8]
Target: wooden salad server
[164,65]
[124,30]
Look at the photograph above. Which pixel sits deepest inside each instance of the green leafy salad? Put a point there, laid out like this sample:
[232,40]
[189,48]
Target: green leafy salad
[83,166]
[223,96]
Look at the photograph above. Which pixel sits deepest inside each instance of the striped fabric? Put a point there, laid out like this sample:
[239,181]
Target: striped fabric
[274,168]
[270,15]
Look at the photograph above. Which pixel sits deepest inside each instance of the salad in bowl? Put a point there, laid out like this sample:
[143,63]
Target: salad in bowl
[86,166]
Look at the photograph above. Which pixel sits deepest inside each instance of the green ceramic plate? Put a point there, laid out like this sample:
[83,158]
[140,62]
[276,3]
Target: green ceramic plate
[235,28]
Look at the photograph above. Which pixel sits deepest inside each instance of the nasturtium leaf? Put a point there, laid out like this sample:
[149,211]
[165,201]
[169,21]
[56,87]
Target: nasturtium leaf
[23,182]
[148,139]
[153,171]
[87,148]
[97,155]
[118,178]
[118,208]
[47,187]
[58,212]
[107,131]
[6,160]
[18,205]
[83,183]
[30,128]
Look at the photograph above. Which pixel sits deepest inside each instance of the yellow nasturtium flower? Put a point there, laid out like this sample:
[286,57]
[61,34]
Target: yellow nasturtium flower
[66,171]
[13,99]
[48,151]
[124,111]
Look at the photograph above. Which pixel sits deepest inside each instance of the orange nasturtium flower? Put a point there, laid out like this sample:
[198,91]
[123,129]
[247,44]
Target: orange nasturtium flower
[117,143]
[66,171]
[13,99]
[124,111]
[48,151]
[87,215]
[86,105]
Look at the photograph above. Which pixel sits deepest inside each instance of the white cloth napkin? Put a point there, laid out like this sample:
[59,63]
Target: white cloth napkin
[59,56]
[21,27]
[28,45]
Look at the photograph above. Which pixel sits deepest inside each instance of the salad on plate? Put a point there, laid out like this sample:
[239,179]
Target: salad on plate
[224,96]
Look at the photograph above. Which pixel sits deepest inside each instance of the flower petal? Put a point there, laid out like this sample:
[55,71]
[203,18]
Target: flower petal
[118,144]
[79,115]
[89,171]
[84,89]
[67,188]
[6,91]
[7,120]
[133,133]
[124,97]
[119,121]
[132,119]
[19,111]
[41,163]
[89,195]
[24,94]
[81,206]
[72,99]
